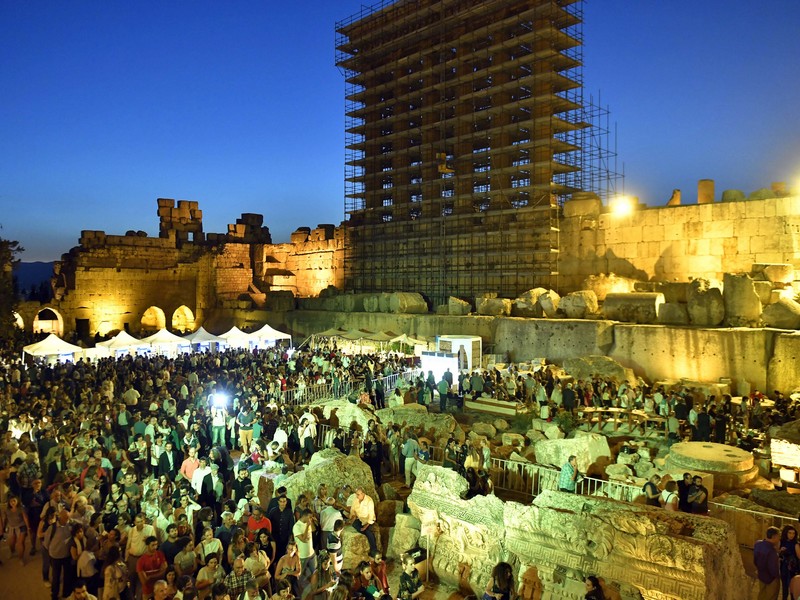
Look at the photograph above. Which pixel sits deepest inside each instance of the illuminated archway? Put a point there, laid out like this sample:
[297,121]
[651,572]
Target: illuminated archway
[18,320]
[48,321]
[153,319]
[183,319]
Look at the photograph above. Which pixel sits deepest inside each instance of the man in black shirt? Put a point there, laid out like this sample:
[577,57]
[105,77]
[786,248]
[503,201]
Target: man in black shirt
[683,493]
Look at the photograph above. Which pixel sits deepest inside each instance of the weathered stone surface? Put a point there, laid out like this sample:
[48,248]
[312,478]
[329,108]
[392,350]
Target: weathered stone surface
[387,492]
[458,307]
[742,306]
[407,303]
[619,472]
[777,500]
[579,305]
[355,546]
[648,552]
[705,305]
[674,291]
[747,523]
[628,459]
[527,305]
[764,291]
[333,468]
[535,435]
[493,307]
[733,196]
[784,314]
[587,447]
[673,314]
[386,511]
[643,469]
[404,535]
[434,426]
[604,367]
[500,424]
[484,429]
[553,432]
[513,439]
[637,307]
[603,285]
[549,302]
[732,467]
[779,273]
[372,303]
[347,413]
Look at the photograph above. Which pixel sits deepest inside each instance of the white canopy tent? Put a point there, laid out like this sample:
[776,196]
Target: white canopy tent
[268,336]
[53,349]
[122,343]
[236,338]
[164,342]
[202,339]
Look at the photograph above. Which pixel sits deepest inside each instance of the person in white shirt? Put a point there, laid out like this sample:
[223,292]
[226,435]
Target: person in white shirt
[362,517]
[199,473]
[303,532]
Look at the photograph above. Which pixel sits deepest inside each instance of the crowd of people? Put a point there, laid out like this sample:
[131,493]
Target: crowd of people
[122,473]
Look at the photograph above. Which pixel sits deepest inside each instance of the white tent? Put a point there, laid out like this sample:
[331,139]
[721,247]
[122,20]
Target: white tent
[203,339]
[267,336]
[164,342]
[121,343]
[236,338]
[53,348]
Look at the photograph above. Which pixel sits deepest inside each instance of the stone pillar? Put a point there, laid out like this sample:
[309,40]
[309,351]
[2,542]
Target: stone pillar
[675,199]
[705,191]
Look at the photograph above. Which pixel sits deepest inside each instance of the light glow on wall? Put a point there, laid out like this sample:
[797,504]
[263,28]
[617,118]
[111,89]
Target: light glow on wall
[622,206]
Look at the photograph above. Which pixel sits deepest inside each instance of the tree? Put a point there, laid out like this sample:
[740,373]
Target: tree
[8,295]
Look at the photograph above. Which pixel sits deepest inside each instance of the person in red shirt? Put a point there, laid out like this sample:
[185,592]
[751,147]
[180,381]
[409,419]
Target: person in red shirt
[257,521]
[378,567]
[151,566]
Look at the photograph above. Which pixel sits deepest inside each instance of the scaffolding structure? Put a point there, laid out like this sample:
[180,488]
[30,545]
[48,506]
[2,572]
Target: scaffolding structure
[465,130]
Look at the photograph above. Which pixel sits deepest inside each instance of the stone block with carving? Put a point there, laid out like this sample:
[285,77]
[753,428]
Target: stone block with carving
[705,305]
[587,367]
[587,447]
[742,304]
[673,313]
[334,469]
[784,314]
[493,307]
[527,304]
[645,551]
[579,305]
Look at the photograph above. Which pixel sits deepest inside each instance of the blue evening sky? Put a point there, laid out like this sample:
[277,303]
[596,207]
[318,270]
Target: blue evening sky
[108,105]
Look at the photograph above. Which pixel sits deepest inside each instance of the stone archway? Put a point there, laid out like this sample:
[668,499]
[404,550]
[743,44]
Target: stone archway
[153,320]
[183,319]
[18,321]
[48,320]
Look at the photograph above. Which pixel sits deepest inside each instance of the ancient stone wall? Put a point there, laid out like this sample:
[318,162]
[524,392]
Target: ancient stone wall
[758,359]
[639,551]
[677,242]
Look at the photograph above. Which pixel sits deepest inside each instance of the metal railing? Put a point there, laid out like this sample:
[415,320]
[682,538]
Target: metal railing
[323,391]
[749,525]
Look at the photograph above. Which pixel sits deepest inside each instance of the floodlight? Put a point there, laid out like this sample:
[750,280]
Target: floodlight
[621,206]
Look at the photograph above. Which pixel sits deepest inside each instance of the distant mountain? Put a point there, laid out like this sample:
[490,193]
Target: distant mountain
[31,274]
